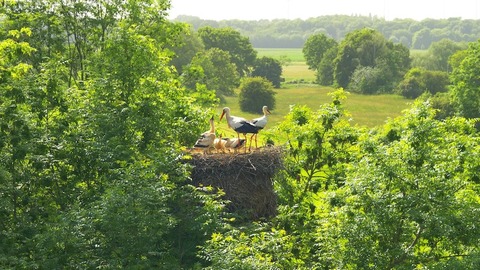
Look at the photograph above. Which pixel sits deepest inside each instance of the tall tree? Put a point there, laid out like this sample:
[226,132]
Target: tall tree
[325,68]
[17,137]
[231,41]
[315,48]
[98,116]
[438,54]
[422,39]
[270,69]
[368,48]
[466,83]
[217,72]
[188,44]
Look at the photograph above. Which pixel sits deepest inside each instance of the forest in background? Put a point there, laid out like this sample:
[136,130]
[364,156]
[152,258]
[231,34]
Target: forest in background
[284,33]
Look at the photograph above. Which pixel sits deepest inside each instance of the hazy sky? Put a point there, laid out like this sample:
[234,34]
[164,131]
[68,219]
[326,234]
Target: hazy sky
[304,9]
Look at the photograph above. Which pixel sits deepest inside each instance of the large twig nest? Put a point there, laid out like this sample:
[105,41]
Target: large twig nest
[246,179]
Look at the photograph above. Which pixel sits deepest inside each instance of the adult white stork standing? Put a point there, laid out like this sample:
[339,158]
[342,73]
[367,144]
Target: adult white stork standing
[207,139]
[239,124]
[260,124]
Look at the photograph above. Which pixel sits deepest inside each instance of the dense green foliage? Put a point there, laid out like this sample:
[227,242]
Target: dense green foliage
[315,48]
[409,199]
[465,78]
[325,69]
[256,92]
[270,69]
[214,69]
[284,33]
[186,46]
[418,81]
[94,121]
[367,63]
[91,131]
[227,39]
[438,54]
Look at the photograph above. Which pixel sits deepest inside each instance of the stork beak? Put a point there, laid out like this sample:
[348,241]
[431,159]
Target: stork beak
[269,111]
[221,116]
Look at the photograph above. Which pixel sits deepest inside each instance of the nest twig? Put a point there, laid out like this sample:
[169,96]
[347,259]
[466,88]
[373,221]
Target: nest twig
[246,179]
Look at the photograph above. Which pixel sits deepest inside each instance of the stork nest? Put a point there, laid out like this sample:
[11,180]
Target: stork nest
[246,179]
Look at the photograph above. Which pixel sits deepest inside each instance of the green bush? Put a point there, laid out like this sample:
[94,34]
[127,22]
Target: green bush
[418,81]
[366,80]
[256,92]
[442,103]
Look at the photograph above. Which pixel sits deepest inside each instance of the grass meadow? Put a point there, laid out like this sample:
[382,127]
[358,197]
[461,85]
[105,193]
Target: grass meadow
[293,54]
[364,110]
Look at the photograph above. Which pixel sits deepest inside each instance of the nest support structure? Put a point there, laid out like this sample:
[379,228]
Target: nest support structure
[246,179]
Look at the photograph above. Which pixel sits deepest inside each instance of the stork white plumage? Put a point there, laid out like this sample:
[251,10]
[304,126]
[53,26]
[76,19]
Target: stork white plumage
[239,124]
[260,124]
[207,139]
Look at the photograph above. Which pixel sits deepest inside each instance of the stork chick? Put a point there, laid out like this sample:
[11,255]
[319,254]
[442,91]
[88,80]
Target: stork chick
[220,144]
[207,139]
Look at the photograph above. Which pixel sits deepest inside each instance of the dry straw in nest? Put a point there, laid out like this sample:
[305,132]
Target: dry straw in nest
[246,179]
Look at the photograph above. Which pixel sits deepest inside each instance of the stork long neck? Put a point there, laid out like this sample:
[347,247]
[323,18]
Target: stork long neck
[229,118]
[212,126]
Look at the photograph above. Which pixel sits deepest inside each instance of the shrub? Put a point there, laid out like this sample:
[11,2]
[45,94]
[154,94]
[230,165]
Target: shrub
[256,92]
[418,81]
[443,104]
[366,80]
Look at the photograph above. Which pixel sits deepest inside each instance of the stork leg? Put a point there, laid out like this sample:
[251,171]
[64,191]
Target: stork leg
[250,146]
[246,141]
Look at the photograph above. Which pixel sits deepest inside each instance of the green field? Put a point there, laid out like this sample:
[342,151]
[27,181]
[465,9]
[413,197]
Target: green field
[365,110]
[369,111]
[295,68]
[293,54]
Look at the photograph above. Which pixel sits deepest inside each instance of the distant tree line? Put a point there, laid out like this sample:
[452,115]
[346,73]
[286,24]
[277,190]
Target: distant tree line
[284,33]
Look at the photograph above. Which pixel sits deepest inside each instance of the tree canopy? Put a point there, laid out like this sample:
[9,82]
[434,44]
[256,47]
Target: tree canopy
[270,69]
[315,48]
[231,41]
[219,73]
[367,50]
[466,85]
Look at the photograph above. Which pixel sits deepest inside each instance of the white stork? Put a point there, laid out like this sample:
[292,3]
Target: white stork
[207,139]
[260,123]
[239,124]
